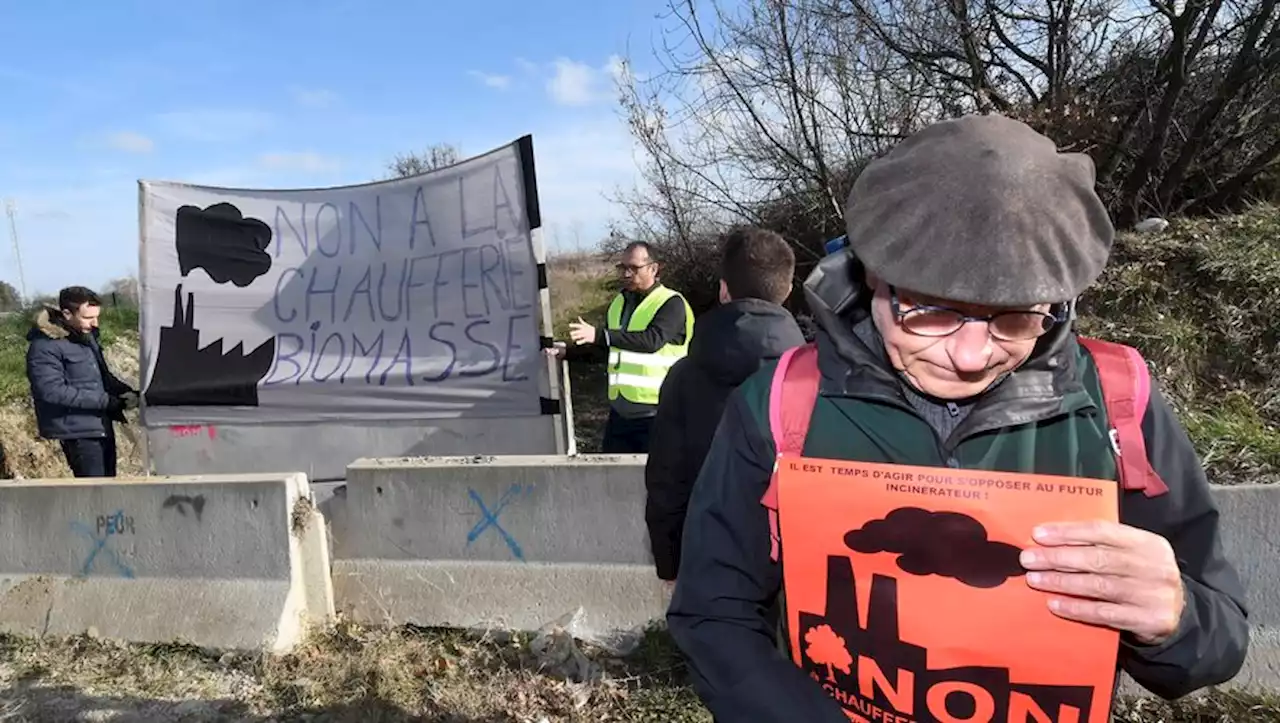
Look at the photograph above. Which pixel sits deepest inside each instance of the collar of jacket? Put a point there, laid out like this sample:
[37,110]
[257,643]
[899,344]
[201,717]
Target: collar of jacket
[48,321]
[1047,385]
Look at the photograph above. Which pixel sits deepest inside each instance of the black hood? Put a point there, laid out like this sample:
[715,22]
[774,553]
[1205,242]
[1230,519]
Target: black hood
[731,341]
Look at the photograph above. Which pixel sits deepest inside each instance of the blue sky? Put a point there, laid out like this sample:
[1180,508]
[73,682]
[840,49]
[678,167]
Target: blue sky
[284,93]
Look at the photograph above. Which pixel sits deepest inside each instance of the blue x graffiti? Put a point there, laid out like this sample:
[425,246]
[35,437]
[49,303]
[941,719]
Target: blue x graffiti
[100,546]
[491,519]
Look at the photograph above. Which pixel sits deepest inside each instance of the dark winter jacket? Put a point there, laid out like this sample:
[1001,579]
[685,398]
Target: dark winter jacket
[75,395]
[730,343]
[1044,418]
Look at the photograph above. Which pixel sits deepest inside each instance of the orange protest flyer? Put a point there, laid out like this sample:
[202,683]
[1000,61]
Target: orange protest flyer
[906,600]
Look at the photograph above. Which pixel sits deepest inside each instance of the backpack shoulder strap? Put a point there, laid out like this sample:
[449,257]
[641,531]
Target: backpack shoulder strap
[792,394]
[791,397]
[1126,389]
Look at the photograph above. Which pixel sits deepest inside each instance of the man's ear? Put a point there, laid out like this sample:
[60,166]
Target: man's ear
[724,293]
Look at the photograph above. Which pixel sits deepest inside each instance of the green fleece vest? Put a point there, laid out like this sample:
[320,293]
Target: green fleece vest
[1073,443]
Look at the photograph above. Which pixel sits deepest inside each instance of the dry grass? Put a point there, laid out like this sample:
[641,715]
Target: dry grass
[366,675]
[349,674]
[582,285]
[1216,707]
[26,456]
[589,388]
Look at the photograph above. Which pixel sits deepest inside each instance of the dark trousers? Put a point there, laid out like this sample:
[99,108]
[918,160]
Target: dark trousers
[626,436]
[94,457]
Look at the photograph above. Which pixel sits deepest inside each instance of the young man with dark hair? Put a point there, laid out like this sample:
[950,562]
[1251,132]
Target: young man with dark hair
[729,344]
[76,396]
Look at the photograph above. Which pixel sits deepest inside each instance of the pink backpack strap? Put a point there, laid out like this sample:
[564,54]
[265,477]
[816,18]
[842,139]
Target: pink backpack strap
[1126,390]
[792,394]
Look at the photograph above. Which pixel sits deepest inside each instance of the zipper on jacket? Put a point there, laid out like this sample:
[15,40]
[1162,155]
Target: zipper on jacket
[946,448]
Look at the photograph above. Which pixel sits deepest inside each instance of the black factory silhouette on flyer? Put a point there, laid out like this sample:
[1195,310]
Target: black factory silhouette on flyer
[907,605]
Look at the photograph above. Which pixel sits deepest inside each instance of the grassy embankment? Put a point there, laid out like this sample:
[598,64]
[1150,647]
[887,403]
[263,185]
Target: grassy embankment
[1199,302]
[353,675]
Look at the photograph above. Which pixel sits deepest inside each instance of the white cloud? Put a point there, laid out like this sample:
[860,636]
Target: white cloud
[314,97]
[81,233]
[130,142]
[493,81]
[53,214]
[617,68]
[214,125]
[527,66]
[305,161]
[77,90]
[226,177]
[575,83]
[580,165]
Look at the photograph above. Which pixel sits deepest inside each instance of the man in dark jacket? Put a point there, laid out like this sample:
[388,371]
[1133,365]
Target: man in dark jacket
[76,396]
[729,344]
[945,342]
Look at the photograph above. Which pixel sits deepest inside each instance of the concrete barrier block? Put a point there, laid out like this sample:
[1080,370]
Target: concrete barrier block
[1250,516]
[222,561]
[514,542]
[509,542]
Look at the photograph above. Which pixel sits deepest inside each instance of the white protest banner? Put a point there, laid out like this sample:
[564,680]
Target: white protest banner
[415,298]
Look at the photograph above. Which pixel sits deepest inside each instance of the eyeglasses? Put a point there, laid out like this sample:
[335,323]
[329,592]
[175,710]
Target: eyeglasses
[937,321]
[632,268]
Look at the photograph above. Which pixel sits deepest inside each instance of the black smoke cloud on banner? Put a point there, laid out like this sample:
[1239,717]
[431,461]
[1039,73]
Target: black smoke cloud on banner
[229,247]
[949,544]
[220,240]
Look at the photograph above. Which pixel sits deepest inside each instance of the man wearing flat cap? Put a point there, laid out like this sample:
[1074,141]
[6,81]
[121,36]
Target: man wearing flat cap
[946,345]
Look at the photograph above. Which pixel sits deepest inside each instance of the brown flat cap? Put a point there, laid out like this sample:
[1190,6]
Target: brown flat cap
[983,210]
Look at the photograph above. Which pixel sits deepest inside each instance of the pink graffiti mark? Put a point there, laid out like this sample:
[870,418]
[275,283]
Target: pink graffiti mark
[193,430]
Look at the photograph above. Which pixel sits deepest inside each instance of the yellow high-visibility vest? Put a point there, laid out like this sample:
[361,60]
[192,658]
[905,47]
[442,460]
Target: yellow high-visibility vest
[636,376]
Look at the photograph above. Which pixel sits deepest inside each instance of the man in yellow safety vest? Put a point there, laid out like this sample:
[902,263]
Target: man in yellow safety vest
[647,330]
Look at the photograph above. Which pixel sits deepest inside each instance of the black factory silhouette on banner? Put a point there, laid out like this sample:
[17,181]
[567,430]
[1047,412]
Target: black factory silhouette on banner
[946,544]
[230,248]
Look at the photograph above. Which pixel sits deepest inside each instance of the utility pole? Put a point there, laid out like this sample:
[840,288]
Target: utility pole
[11,208]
